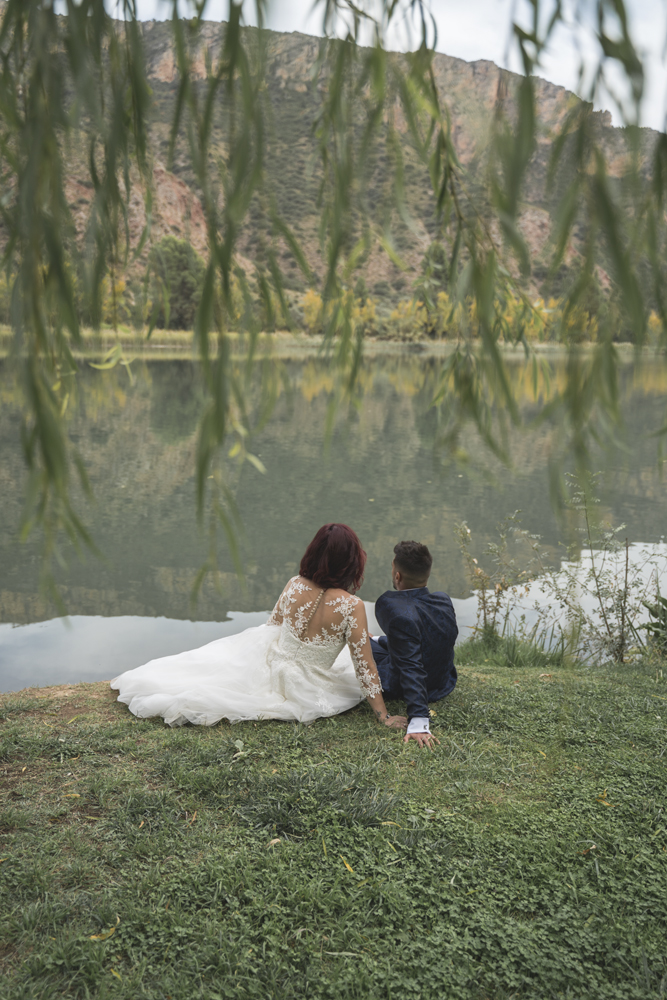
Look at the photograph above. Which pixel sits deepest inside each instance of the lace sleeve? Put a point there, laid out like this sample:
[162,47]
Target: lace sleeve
[359,644]
[276,616]
[278,613]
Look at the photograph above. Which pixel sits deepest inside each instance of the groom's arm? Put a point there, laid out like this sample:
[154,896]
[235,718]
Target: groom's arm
[404,643]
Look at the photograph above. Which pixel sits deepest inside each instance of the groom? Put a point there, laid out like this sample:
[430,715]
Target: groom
[415,656]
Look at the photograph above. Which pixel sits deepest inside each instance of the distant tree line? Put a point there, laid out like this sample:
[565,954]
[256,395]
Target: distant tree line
[166,297]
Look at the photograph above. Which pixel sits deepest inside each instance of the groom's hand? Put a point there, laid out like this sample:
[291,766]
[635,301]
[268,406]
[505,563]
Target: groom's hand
[423,739]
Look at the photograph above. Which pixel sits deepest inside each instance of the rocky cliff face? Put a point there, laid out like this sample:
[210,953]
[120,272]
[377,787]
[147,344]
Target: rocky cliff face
[471,92]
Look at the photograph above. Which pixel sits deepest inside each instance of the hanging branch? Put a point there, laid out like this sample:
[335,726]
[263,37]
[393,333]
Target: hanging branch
[85,74]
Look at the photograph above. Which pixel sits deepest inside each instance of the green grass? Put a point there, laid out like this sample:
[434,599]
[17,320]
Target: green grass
[526,857]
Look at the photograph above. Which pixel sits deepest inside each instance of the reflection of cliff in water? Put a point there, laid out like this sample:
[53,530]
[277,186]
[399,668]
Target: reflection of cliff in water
[380,475]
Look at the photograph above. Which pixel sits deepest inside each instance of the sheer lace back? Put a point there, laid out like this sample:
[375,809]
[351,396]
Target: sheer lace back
[328,619]
[314,606]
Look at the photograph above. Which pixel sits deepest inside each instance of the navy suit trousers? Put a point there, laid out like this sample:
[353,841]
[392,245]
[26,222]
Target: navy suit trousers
[389,677]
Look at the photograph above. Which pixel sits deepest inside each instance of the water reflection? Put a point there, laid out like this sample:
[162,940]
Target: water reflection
[381,475]
[587,603]
[96,648]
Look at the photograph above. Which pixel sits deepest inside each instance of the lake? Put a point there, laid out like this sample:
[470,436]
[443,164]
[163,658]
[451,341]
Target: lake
[382,472]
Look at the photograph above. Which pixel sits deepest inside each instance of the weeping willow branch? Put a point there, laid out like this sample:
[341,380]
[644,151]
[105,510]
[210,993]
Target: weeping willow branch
[82,77]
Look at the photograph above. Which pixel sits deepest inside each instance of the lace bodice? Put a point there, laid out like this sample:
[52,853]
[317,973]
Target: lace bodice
[338,619]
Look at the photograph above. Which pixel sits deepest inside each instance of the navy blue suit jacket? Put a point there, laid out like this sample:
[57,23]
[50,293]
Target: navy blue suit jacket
[418,662]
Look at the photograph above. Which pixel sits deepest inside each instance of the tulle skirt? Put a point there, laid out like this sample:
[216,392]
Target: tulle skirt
[257,674]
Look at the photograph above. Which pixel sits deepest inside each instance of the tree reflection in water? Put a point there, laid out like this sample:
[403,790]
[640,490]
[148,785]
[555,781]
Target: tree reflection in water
[382,473]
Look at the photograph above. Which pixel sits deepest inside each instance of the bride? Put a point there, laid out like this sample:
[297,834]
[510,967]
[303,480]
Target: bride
[312,658]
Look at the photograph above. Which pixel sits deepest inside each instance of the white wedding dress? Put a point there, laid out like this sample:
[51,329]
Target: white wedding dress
[273,671]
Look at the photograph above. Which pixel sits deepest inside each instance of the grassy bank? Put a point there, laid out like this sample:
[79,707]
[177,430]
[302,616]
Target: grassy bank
[170,345]
[525,858]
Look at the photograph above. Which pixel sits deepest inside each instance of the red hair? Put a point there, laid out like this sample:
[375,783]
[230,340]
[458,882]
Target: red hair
[334,558]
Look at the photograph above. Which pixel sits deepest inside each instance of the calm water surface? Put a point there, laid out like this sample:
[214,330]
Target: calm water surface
[383,473]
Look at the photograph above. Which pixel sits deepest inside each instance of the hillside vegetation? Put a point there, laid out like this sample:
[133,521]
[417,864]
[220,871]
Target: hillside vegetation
[474,94]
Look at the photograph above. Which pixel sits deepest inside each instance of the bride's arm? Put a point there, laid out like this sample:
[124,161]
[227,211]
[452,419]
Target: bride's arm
[278,613]
[276,616]
[359,644]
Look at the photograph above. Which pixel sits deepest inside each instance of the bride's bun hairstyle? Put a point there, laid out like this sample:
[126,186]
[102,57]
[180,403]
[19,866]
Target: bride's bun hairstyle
[334,558]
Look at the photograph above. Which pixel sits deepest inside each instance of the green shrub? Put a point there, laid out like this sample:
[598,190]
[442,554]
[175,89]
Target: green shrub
[175,272]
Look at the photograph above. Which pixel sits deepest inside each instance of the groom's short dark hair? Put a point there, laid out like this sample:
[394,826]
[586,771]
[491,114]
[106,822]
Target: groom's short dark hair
[413,560]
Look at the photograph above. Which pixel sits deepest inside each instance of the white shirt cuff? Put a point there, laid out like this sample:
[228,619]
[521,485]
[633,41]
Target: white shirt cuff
[418,725]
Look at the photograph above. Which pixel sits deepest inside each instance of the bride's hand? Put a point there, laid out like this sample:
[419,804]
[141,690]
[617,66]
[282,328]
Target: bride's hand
[396,722]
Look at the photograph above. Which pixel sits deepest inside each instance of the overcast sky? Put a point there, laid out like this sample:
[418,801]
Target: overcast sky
[479,29]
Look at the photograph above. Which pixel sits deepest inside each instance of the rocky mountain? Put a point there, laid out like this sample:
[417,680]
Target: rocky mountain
[471,92]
